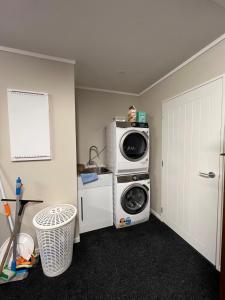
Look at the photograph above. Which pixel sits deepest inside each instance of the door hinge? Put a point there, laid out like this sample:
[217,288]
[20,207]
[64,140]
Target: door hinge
[162,163]
[161,210]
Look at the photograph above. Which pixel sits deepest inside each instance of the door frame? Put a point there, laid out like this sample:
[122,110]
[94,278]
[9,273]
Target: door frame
[221,172]
[222,274]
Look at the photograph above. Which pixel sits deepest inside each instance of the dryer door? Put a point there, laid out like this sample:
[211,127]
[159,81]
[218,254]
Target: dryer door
[134,145]
[134,199]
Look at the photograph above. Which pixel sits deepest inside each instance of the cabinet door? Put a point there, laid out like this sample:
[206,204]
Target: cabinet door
[96,208]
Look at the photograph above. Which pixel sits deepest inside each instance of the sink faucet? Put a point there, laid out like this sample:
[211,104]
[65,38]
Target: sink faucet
[92,162]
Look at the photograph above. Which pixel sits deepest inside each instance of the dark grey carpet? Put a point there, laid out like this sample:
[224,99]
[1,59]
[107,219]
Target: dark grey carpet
[147,261]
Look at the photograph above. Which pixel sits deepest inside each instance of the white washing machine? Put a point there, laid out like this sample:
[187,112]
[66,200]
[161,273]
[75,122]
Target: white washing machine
[131,199]
[127,147]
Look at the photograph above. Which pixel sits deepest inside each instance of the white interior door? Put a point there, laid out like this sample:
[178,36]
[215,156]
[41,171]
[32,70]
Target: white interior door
[191,150]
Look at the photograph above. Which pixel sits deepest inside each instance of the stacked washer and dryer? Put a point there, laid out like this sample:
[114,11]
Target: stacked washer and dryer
[128,158]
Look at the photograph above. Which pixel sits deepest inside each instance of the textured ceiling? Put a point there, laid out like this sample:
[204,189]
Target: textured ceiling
[123,45]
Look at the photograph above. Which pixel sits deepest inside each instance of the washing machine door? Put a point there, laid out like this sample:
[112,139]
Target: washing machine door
[134,145]
[134,199]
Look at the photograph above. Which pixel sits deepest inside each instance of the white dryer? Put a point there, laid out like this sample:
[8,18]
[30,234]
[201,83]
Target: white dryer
[127,147]
[131,199]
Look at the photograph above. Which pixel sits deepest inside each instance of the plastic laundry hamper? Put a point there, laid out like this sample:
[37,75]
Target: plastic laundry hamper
[55,227]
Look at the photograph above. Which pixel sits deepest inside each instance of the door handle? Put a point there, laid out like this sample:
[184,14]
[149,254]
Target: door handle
[207,175]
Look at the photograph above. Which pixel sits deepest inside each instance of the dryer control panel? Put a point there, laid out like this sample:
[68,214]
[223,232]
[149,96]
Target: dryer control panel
[131,124]
[139,125]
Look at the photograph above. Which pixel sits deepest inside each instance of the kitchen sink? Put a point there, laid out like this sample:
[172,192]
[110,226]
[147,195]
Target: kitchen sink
[99,170]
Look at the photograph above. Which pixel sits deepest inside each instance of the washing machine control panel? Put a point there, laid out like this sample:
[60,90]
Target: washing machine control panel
[130,178]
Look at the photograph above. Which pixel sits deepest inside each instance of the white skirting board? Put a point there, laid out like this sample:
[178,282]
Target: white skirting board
[77,239]
[157,215]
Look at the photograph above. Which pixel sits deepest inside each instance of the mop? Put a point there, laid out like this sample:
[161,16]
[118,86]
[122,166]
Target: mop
[7,274]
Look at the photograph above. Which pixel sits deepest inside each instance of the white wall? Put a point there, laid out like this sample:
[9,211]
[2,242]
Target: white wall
[94,110]
[205,67]
[52,181]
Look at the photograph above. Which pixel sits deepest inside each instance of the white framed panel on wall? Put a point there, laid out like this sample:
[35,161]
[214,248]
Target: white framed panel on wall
[29,129]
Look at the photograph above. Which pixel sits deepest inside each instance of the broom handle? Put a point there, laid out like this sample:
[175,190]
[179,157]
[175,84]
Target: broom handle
[7,208]
[14,233]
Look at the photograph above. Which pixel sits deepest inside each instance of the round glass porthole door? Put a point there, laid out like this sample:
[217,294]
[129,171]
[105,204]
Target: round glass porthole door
[134,199]
[134,145]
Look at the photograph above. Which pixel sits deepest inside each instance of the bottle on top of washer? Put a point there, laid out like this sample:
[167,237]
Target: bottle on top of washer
[132,114]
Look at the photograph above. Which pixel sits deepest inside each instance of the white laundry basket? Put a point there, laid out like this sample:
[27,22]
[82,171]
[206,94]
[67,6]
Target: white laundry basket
[55,227]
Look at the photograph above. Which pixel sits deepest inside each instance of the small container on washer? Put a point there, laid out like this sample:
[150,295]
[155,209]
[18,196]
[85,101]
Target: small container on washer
[132,114]
[141,117]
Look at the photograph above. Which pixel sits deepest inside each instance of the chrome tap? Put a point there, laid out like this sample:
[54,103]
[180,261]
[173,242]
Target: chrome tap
[91,161]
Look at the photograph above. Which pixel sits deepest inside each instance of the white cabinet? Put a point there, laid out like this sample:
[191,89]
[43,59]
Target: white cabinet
[95,204]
